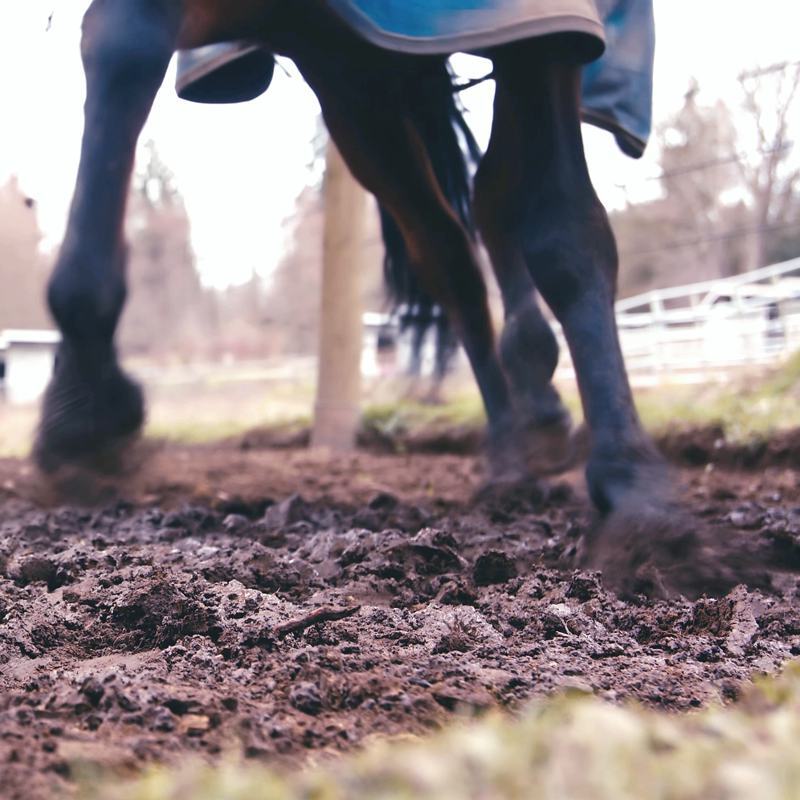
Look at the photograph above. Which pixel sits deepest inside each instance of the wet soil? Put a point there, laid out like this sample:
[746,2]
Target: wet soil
[281,605]
[691,446]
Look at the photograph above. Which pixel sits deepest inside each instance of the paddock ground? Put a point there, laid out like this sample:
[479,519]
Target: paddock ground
[239,599]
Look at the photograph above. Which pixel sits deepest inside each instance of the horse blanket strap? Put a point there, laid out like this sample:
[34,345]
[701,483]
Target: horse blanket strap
[617,85]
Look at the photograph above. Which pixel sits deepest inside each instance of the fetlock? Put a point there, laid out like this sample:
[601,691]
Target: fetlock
[626,472]
[529,355]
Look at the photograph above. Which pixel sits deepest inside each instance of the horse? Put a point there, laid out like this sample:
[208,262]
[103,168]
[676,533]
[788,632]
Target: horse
[545,230]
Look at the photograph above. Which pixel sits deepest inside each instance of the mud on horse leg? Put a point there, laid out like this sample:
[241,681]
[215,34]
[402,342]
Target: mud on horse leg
[545,212]
[90,403]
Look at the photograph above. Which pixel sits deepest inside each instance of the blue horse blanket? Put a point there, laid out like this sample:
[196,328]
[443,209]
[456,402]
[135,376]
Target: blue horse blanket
[617,87]
[617,84]
[447,26]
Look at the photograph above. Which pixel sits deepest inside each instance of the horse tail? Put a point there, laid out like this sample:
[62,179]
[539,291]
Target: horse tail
[454,154]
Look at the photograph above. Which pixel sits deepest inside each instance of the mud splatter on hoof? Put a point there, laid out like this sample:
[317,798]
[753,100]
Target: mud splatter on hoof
[511,491]
[554,449]
[663,552]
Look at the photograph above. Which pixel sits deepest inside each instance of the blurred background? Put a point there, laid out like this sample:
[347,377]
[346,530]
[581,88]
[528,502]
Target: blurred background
[226,217]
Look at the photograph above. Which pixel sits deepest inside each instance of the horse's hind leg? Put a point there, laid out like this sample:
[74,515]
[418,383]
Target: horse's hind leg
[90,403]
[385,154]
[544,213]
[528,347]
[528,351]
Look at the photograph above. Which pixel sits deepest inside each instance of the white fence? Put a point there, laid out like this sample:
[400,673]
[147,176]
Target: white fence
[689,333]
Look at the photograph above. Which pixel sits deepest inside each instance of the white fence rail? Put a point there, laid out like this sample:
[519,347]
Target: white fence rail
[686,333]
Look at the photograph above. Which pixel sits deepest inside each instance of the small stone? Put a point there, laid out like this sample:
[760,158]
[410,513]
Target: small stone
[744,621]
[93,691]
[305,697]
[554,620]
[560,610]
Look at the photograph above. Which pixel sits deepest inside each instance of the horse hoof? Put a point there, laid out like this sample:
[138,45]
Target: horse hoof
[621,475]
[88,414]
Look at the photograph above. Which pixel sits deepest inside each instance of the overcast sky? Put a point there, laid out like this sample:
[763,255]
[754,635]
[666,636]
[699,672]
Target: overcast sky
[241,167]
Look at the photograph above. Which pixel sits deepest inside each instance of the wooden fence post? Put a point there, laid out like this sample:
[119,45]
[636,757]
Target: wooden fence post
[337,408]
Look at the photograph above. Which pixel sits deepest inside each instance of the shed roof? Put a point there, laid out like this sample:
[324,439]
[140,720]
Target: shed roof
[28,336]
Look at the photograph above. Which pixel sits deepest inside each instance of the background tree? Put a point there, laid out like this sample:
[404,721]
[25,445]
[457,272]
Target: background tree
[168,310]
[767,169]
[292,304]
[729,189]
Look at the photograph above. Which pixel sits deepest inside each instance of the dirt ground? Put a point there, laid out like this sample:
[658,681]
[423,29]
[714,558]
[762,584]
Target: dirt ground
[284,606]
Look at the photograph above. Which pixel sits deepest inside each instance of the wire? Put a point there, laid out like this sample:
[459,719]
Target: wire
[718,161]
[703,165]
[733,234]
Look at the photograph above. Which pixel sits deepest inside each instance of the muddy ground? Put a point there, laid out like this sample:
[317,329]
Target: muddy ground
[283,606]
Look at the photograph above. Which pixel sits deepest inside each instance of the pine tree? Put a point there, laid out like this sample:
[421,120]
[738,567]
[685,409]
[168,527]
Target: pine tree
[168,310]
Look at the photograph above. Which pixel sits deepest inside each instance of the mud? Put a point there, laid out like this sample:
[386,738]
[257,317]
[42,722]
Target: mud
[282,606]
[689,447]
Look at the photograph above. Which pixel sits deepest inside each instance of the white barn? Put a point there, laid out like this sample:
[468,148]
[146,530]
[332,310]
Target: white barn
[26,364]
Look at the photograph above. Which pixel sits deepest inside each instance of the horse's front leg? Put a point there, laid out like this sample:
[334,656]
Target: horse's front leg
[90,403]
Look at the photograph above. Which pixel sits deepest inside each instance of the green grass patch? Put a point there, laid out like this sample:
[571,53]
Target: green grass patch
[753,405]
[567,748]
[399,418]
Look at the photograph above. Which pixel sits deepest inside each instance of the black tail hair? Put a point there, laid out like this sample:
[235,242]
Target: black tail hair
[454,155]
